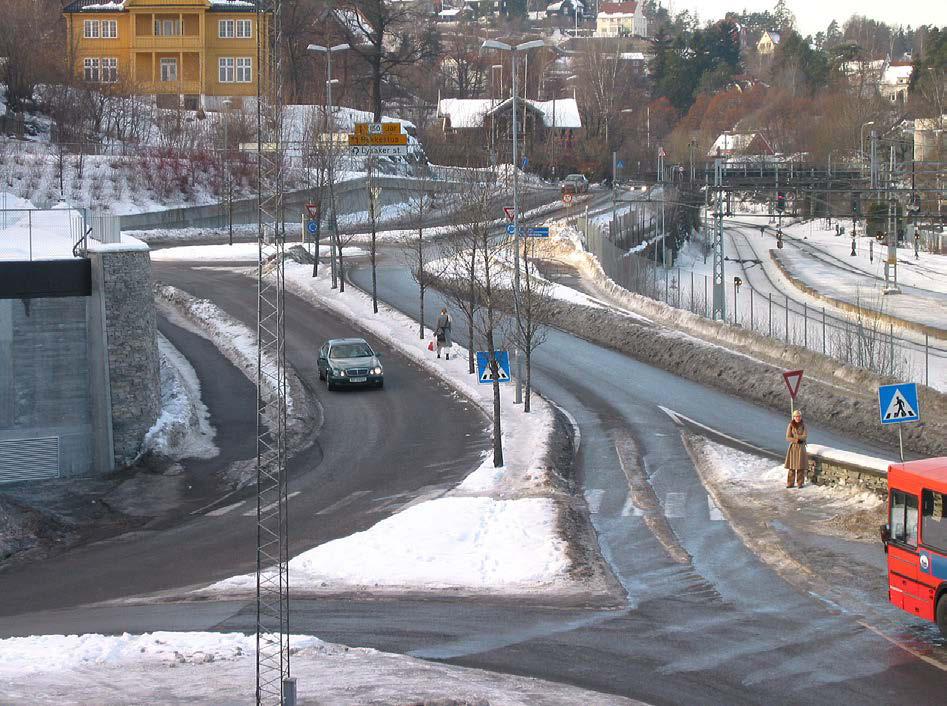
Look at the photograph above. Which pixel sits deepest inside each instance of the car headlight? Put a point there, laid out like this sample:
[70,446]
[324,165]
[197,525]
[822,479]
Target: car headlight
[338,373]
[376,371]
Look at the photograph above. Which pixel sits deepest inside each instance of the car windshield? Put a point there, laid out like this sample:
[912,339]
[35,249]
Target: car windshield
[574,177]
[350,350]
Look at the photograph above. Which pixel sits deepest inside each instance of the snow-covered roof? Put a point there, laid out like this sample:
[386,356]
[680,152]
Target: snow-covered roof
[617,9]
[632,56]
[354,23]
[562,113]
[895,75]
[120,5]
[774,36]
[449,14]
[734,142]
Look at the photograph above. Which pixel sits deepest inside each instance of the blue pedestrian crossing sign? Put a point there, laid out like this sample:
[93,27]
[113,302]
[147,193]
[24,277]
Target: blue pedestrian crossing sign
[485,374]
[898,403]
[620,164]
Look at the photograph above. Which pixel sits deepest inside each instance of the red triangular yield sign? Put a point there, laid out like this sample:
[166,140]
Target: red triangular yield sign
[510,213]
[312,209]
[793,386]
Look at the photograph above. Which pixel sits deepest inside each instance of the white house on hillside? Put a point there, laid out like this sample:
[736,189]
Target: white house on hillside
[768,43]
[621,19]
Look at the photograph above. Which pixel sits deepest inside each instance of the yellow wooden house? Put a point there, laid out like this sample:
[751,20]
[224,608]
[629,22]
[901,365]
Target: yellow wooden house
[198,51]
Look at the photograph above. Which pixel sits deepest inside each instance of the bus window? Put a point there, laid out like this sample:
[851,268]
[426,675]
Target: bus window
[904,518]
[934,524]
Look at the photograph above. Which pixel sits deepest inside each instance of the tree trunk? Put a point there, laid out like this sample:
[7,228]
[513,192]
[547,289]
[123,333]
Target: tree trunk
[371,217]
[421,276]
[471,297]
[376,82]
[529,379]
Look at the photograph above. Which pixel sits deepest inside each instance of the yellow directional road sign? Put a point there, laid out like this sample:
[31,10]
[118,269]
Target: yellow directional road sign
[377,128]
[378,139]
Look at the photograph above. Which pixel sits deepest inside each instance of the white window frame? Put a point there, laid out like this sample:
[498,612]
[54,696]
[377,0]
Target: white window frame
[244,70]
[91,29]
[90,69]
[226,29]
[162,25]
[109,29]
[108,69]
[243,29]
[168,62]
[226,71]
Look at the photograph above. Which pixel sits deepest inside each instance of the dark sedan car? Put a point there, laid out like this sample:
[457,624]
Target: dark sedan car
[346,362]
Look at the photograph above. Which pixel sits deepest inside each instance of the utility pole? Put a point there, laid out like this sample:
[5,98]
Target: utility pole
[514,49]
[273,682]
[720,294]
[614,194]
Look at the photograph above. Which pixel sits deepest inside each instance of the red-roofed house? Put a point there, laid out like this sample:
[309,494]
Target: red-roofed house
[621,19]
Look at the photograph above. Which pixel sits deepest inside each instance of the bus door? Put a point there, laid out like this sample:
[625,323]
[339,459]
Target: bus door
[902,550]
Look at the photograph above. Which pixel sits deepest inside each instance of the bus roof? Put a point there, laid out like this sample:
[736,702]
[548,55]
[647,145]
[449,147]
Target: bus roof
[931,470]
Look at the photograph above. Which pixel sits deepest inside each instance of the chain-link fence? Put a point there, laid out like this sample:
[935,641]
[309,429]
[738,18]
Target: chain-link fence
[643,263]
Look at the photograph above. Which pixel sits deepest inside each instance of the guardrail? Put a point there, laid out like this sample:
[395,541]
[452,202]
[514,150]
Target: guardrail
[22,229]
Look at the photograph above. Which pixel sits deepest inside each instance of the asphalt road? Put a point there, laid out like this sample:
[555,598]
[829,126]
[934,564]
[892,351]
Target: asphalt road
[376,451]
[705,621]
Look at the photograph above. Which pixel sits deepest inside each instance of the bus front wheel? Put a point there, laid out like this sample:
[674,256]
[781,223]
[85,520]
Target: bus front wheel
[940,614]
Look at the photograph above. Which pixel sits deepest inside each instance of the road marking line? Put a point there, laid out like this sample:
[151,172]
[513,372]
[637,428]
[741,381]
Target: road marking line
[679,419]
[224,510]
[929,660]
[715,513]
[200,510]
[594,499]
[343,502]
[271,505]
[674,504]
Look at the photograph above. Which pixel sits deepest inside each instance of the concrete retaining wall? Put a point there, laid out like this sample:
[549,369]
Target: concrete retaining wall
[350,196]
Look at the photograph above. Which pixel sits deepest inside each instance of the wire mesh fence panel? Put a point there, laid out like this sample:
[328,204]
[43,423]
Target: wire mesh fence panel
[861,340]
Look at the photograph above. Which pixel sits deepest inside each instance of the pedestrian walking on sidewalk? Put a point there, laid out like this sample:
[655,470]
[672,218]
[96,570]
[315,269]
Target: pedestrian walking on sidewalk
[442,334]
[797,460]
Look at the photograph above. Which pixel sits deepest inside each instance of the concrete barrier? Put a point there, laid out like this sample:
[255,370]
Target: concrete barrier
[351,196]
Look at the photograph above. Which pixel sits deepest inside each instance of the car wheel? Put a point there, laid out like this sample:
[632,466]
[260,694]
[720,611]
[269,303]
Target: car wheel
[381,384]
[940,614]
[330,386]
[321,375]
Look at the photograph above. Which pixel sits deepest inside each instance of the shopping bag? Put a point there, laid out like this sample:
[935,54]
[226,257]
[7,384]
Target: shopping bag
[430,346]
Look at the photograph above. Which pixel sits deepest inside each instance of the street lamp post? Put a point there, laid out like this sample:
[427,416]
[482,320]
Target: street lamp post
[327,112]
[514,49]
[227,184]
[861,136]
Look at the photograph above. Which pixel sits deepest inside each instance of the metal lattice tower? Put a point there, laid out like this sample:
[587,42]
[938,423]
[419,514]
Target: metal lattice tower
[272,617]
[720,297]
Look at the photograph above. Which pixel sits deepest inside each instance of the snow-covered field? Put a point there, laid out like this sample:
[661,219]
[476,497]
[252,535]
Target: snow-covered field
[219,668]
[36,235]
[238,252]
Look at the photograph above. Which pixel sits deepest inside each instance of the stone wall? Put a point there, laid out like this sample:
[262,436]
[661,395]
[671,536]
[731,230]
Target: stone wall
[834,472]
[131,347]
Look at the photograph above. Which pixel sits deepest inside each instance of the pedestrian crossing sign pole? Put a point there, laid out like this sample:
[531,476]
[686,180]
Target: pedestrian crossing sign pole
[898,404]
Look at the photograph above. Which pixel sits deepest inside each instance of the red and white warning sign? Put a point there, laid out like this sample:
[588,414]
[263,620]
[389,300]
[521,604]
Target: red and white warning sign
[312,209]
[792,378]
[510,213]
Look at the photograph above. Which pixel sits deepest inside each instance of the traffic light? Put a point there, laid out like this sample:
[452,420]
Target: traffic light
[856,203]
[780,201]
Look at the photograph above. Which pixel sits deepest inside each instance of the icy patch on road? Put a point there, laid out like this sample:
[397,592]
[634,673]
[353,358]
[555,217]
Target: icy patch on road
[183,429]
[453,542]
[219,668]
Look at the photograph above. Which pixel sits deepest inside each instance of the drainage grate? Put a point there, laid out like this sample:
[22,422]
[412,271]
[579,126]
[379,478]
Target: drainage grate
[29,459]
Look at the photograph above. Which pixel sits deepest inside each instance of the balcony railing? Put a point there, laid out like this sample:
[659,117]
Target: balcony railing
[179,41]
[169,86]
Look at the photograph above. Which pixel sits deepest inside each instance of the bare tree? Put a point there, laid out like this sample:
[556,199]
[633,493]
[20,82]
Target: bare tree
[420,203]
[386,36]
[534,312]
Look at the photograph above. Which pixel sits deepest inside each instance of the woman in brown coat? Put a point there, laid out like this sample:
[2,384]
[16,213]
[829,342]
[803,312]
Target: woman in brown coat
[797,460]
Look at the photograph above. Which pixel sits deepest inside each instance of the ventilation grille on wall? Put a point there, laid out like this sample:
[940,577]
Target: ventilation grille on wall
[29,459]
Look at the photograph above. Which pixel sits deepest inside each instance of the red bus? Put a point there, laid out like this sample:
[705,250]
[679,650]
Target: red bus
[915,538]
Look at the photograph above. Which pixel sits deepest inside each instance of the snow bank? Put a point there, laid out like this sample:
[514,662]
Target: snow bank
[183,429]
[219,668]
[238,252]
[469,542]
